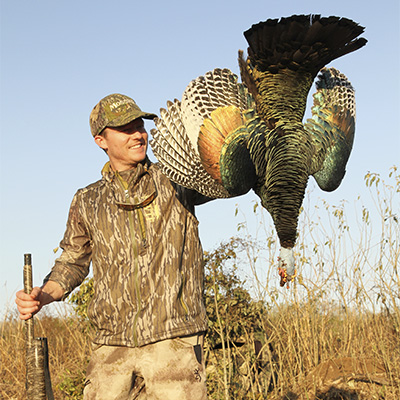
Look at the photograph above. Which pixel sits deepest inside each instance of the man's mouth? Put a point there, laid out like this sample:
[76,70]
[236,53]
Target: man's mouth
[136,146]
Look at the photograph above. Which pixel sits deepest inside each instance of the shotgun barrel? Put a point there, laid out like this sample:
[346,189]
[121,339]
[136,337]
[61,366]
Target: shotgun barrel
[38,383]
[28,289]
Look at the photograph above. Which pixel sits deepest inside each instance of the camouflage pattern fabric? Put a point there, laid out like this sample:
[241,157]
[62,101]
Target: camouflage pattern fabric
[168,370]
[140,233]
[115,110]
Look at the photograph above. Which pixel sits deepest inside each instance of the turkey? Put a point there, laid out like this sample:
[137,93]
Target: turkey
[225,138]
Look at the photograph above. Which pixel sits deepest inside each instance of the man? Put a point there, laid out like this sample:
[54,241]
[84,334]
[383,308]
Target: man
[140,234]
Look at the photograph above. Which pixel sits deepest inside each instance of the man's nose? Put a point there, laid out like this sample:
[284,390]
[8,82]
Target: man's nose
[137,134]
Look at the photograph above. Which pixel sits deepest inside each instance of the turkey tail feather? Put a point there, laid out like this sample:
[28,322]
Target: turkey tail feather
[308,42]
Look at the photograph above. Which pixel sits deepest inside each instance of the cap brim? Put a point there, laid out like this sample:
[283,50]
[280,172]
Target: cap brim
[149,116]
[127,118]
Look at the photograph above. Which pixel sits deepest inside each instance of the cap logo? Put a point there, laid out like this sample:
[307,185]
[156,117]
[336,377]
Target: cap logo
[120,103]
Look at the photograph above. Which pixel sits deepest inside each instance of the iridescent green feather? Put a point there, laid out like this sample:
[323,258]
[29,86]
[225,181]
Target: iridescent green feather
[332,128]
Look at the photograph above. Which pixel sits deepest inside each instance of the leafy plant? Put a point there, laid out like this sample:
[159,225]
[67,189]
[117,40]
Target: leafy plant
[72,384]
[238,354]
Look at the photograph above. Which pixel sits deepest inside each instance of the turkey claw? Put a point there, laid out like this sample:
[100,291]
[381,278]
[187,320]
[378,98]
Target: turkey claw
[285,278]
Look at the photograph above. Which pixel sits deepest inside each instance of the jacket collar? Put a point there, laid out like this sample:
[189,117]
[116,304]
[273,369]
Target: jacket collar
[132,188]
[131,175]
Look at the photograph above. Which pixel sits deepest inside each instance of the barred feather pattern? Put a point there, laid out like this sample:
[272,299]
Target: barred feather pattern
[332,127]
[175,139]
[177,157]
[217,88]
[338,91]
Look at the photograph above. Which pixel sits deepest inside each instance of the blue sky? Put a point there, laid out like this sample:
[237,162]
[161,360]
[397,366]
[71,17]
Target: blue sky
[59,58]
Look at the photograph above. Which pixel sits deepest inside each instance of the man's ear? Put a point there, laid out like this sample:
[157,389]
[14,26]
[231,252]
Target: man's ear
[101,142]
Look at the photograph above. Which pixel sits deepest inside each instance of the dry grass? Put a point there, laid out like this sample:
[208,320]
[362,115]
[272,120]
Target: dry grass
[69,350]
[301,339]
[314,354]
[334,335]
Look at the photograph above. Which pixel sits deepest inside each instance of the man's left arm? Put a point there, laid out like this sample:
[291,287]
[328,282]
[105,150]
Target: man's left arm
[190,198]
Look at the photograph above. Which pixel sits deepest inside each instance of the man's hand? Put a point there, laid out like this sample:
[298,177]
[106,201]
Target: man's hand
[30,304]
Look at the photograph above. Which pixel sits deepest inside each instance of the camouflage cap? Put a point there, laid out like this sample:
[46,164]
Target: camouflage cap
[113,111]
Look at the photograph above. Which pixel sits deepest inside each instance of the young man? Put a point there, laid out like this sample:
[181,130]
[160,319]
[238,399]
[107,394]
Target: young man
[139,232]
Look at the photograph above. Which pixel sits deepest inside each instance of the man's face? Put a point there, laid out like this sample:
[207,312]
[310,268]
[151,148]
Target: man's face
[126,146]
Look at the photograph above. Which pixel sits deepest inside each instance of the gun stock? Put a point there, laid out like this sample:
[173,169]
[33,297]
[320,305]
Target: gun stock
[38,383]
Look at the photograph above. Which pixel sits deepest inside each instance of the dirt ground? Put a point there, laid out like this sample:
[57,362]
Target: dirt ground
[350,379]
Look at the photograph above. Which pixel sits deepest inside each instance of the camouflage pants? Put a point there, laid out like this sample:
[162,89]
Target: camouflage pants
[169,369]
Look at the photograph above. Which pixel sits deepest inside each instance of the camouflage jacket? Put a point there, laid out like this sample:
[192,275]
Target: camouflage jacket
[140,233]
